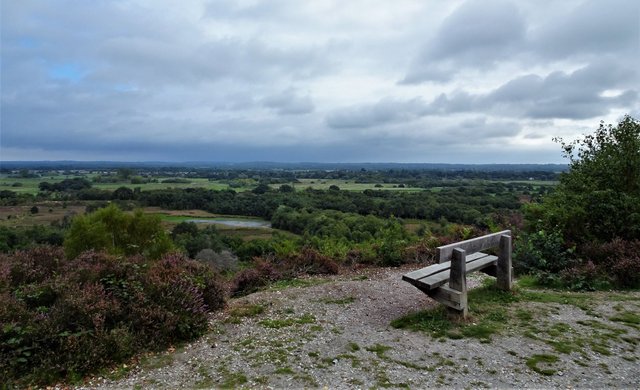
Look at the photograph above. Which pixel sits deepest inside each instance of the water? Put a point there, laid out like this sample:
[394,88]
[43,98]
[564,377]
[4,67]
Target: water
[249,223]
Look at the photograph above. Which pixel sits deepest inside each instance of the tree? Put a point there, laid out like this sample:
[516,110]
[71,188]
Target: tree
[599,197]
[595,210]
[117,232]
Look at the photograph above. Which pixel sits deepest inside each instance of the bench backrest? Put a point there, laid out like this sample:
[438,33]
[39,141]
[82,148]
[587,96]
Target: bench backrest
[471,246]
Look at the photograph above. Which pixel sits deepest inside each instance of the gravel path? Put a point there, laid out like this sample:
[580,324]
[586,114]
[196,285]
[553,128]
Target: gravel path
[335,333]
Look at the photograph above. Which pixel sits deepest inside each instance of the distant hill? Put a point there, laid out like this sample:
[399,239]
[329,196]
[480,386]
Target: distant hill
[284,166]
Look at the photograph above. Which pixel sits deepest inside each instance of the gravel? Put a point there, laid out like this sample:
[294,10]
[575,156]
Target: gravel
[335,333]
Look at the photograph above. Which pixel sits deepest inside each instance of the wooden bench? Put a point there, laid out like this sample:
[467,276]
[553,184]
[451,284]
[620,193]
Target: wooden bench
[446,282]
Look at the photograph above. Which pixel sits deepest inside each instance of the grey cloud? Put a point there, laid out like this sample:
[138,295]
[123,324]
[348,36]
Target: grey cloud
[478,34]
[289,103]
[385,111]
[140,59]
[594,28]
[576,95]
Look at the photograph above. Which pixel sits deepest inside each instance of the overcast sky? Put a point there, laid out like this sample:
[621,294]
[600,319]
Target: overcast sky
[326,81]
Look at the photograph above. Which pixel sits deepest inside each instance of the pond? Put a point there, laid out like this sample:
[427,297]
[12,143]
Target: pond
[248,223]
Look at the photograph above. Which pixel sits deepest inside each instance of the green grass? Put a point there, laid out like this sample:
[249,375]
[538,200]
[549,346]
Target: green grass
[243,311]
[534,363]
[627,318]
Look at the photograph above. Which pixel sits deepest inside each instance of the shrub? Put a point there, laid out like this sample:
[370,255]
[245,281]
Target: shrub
[309,261]
[65,318]
[251,279]
[542,254]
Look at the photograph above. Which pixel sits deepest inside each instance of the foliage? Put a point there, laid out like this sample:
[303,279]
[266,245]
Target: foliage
[65,318]
[118,233]
[270,269]
[542,254]
[596,205]
[12,238]
[192,240]
[598,199]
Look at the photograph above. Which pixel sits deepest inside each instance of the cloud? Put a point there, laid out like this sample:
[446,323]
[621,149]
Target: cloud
[593,28]
[575,95]
[286,80]
[477,34]
[288,102]
[385,111]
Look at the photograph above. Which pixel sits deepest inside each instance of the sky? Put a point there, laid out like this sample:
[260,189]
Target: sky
[433,81]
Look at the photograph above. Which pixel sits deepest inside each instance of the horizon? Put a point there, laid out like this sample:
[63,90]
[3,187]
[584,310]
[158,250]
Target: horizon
[461,82]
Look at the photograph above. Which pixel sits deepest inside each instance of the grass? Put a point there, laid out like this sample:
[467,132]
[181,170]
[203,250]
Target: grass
[535,361]
[243,311]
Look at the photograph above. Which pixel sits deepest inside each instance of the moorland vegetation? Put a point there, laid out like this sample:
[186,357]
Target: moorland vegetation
[80,292]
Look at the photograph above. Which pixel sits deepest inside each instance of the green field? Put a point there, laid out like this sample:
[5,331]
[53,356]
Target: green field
[30,185]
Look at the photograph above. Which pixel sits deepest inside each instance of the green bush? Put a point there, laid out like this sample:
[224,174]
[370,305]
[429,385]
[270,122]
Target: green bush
[117,232]
[594,208]
[542,254]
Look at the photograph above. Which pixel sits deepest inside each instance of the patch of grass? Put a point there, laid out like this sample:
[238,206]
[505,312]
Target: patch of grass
[362,277]
[482,331]
[433,321]
[575,299]
[353,347]
[627,317]
[283,323]
[379,350]
[244,311]
[534,361]
[602,349]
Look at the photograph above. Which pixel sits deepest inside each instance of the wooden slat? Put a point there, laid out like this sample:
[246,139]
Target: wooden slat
[447,297]
[435,268]
[471,246]
[437,280]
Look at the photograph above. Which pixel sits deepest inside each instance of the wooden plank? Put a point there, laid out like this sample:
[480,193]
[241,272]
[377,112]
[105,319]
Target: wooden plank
[505,271]
[447,297]
[471,246]
[435,268]
[437,280]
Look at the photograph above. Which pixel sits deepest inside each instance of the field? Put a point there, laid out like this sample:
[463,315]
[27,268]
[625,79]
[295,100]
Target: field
[30,185]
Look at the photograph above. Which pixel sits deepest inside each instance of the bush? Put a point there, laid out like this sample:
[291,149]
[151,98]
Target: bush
[251,279]
[596,208]
[542,254]
[65,318]
[223,261]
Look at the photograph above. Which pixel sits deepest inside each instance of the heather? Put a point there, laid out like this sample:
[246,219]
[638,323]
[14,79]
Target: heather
[61,318]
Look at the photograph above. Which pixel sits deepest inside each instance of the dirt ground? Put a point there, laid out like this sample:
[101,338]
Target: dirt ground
[335,332]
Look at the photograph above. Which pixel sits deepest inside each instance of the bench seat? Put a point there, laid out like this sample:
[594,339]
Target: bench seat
[436,275]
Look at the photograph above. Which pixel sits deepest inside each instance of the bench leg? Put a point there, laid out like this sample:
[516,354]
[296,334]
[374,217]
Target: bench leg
[505,270]
[458,281]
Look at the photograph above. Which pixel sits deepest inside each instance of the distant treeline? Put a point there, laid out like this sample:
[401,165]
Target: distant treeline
[265,166]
